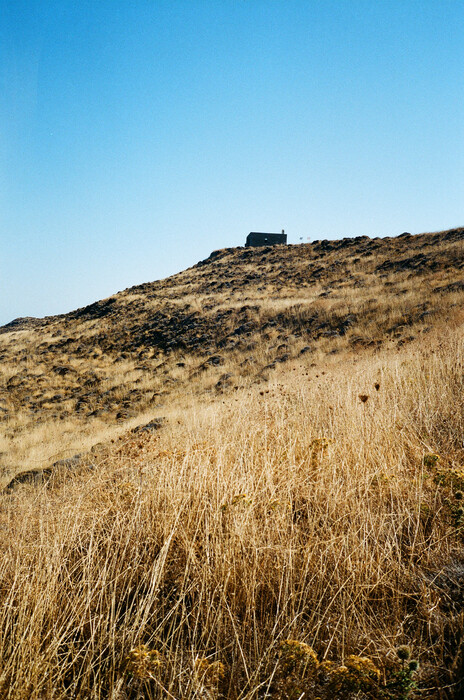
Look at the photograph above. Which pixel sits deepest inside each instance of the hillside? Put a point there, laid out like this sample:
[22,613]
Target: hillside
[224,324]
[243,482]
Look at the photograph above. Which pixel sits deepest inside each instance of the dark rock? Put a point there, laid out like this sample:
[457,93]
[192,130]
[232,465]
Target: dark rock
[150,427]
[223,382]
[454,287]
[215,360]
[454,234]
[244,328]
[31,476]
[283,358]
[69,463]
[22,323]
[62,370]
[271,365]
[416,262]
[98,447]
[98,309]
[16,380]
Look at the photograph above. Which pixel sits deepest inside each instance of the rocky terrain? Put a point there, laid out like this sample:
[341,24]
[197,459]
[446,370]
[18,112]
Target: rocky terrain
[245,481]
[226,322]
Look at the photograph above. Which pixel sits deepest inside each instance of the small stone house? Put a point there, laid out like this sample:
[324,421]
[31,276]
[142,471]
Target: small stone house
[259,239]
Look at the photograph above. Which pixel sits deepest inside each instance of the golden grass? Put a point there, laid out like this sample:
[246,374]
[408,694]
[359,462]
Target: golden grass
[288,510]
[278,287]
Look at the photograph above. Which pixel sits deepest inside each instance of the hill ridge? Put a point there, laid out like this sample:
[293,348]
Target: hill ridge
[221,325]
[325,245]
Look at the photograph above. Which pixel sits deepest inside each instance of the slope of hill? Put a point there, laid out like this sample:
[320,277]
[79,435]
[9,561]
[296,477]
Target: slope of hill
[268,497]
[69,381]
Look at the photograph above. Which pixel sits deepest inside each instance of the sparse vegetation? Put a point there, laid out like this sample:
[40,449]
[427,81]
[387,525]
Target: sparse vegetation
[285,539]
[226,323]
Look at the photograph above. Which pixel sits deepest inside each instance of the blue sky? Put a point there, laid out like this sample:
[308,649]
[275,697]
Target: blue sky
[136,136]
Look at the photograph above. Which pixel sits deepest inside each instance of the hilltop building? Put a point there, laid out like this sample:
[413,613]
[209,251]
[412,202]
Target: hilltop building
[258,239]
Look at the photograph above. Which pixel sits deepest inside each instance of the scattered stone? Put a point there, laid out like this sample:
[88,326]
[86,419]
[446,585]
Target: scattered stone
[34,477]
[62,370]
[454,287]
[223,382]
[283,358]
[22,323]
[215,360]
[150,427]
[68,463]
[98,447]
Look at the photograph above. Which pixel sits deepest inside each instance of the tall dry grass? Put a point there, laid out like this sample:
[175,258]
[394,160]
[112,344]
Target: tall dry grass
[350,303]
[296,512]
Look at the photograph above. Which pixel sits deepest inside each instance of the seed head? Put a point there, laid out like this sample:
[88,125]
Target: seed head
[430,460]
[403,652]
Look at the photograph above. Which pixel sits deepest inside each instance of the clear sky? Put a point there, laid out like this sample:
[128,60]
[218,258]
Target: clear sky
[136,136]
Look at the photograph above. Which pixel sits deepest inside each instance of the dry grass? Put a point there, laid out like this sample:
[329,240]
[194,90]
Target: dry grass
[331,299]
[292,509]
[292,493]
